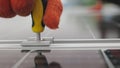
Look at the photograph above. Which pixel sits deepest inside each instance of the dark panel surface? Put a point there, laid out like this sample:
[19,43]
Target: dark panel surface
[10,57]
[67,59]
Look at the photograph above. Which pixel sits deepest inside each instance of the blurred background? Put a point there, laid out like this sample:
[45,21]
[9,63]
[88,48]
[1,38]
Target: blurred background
[81,19]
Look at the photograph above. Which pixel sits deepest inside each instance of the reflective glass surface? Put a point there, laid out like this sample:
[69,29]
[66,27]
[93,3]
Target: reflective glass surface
[9,57]
[64,59]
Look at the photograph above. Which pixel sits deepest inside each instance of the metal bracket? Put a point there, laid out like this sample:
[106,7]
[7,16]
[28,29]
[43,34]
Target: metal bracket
[32,42]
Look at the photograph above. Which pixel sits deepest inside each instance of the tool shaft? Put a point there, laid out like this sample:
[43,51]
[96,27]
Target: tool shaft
[38,37]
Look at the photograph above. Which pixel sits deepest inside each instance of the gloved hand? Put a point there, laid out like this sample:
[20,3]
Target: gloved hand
[22,7]
[5,9]
[52,14]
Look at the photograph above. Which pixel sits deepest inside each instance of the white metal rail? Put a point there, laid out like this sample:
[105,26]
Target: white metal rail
[66,44]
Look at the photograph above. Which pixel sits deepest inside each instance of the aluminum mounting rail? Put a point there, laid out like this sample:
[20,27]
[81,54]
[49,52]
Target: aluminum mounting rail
[67,41]
[66,44]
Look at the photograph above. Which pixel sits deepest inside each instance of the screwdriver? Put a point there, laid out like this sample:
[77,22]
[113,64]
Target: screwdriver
[37,16]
